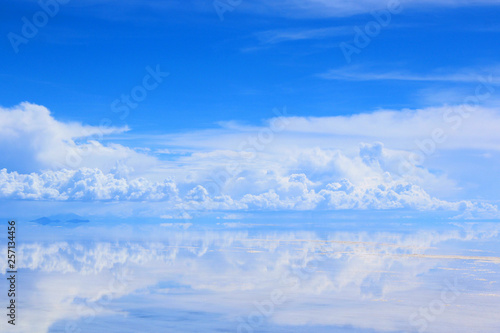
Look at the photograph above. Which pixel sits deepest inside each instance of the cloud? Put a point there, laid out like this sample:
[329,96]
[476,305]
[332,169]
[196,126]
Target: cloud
[31,139]
[468,125]
[345,8]
[344,195]
[295,192]
[403,143]
[184,226]
[83,184]
[365,161]
[488,75]
[287,8]
[280,36]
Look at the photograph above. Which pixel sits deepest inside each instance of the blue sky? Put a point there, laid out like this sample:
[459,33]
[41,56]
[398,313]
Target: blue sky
[242,67]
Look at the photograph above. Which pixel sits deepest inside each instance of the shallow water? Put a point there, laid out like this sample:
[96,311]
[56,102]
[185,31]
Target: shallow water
[213,276]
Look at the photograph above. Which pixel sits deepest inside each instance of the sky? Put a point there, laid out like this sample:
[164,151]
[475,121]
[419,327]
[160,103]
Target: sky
[257,58]
[253,137]
[252,106]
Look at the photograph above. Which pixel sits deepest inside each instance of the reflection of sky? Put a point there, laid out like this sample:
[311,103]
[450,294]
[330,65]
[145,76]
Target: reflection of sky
[244,277]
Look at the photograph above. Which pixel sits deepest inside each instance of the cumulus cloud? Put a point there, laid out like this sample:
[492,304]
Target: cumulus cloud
[420,145]
[83,184]
[295,192]
[31,139]
[366,161]
[345,195]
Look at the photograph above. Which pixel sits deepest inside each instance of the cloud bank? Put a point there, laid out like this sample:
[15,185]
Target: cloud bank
[375,160]
[295,192]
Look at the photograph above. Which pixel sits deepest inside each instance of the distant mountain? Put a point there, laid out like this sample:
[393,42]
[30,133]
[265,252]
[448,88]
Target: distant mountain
[64,218]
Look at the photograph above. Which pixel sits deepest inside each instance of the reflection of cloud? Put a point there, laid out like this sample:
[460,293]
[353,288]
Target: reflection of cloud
[177,225]
[345,278]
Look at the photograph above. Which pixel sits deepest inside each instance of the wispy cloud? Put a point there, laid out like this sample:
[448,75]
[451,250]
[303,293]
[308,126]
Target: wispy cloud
[279,36]
[344,8]
[356,73]
[288,8]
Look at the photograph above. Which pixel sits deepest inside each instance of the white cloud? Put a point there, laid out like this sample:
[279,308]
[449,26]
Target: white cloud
[279,36]
[31,139]
[295,192]
[353,73]
[184,226]
[373,160]
[82,184]
[466,126]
